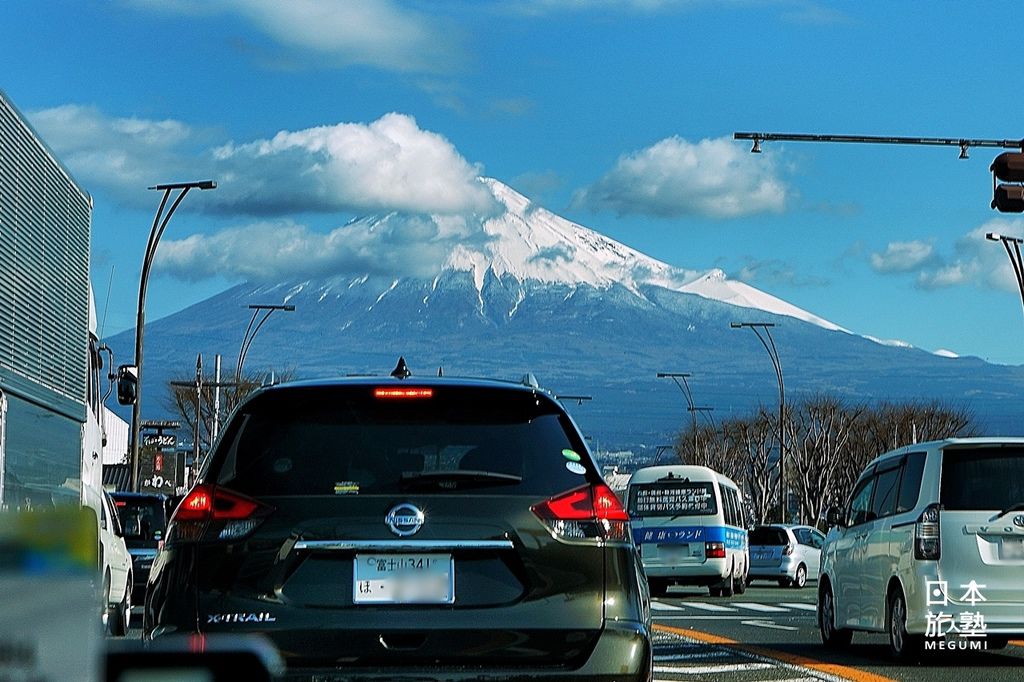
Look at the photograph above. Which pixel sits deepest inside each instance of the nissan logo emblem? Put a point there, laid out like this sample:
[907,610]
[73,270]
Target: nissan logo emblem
[1018,520]
[404,519]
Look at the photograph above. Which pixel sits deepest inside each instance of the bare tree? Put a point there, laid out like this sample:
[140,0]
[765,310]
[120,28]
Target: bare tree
[754,440]
[819,430]
[182,401]
[891,425]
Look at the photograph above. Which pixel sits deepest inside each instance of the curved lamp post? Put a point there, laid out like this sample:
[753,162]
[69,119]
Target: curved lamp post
[250,331]
[159,225]
[773,353]
[1014,254]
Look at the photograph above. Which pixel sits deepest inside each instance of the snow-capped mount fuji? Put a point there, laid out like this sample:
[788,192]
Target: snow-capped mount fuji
[524,290]
[527,245]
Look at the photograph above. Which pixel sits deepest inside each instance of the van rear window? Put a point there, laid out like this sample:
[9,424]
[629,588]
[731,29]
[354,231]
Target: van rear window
[664,498]
[982,478]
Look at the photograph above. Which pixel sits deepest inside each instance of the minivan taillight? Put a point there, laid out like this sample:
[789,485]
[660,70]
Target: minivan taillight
[927,542]
[788,549]
[211,513]
[591,513]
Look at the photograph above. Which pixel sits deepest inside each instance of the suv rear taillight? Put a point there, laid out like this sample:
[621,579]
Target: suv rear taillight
[714,550]
[212,513]
[591,513]
[927,543]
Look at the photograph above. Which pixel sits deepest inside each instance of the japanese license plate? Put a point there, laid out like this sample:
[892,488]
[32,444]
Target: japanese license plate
[403,579]
[1011,548]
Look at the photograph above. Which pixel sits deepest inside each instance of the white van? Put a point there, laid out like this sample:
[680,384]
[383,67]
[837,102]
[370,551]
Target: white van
[688,524]
[930,549]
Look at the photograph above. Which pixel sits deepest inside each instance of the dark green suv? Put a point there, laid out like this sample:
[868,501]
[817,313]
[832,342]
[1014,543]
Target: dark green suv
[408,529]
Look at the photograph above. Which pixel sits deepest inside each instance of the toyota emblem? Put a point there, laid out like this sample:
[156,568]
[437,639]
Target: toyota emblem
[404,519]
[1018,520]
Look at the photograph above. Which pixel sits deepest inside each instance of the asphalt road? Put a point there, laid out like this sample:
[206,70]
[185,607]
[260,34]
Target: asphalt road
[771,633]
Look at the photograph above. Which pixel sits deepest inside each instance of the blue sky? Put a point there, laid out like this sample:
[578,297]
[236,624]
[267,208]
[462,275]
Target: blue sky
[616,114]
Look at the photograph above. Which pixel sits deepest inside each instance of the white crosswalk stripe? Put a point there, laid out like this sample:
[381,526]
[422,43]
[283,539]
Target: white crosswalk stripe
[709,669]
[708,607]
[734,607]
[762,608]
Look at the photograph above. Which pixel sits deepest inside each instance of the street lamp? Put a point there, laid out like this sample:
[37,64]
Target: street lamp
[680,380]
[773,353]
[1014,254]
[250,332]
[159,224]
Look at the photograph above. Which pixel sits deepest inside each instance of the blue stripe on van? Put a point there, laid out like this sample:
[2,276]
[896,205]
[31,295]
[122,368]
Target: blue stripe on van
[734,538]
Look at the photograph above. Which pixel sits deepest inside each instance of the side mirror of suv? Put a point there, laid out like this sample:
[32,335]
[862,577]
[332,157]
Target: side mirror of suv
[834,517]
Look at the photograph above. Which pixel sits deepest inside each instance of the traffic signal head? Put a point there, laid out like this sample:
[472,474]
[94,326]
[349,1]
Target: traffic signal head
[1008,167]
[1008,199]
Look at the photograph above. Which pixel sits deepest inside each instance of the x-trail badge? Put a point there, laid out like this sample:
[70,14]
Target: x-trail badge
[404,519]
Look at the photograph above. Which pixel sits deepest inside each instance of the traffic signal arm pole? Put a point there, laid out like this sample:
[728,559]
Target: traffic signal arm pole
[963,143]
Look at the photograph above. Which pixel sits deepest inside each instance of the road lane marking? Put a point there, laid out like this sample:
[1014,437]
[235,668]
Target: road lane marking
[657,605]
[754,606]
[800,606]
[707,607]
[709,669]
[801,663]
[715,653]
[767,624]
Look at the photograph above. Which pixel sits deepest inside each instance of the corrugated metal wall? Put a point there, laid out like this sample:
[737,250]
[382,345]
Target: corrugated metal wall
[44,263]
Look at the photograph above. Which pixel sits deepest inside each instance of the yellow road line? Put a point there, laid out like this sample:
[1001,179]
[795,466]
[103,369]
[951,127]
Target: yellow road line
[843,671]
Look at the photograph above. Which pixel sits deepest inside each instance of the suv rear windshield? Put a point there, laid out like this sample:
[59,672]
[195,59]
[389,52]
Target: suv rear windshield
[982,478]
[142,518]
[672,498]
[765,535]
[342,440]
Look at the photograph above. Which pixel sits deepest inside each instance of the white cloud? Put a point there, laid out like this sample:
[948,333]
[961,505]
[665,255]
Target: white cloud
[974,260]
[123,155]
[388,165]
[283,250]
[903,257]
[777,272]
[379,33]
[674,177]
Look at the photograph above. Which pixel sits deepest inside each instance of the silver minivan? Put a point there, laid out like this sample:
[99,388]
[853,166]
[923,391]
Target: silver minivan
[930,549]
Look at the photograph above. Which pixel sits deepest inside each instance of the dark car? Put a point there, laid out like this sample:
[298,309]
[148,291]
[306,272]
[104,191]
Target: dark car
[144,518]
[388,528]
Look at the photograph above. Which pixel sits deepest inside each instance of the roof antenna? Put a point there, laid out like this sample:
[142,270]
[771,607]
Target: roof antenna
[440,371]
[401,370]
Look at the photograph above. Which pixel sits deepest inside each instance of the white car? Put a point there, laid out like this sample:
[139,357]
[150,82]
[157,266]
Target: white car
[115,565]
[789,554]
[929,549]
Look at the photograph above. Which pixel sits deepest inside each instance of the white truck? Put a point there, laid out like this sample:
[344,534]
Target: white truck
[51,393]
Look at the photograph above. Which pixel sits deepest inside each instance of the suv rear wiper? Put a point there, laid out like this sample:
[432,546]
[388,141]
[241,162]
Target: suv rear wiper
[458,478]
[1017,506]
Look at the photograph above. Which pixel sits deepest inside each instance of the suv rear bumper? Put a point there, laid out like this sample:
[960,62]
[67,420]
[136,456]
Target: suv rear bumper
[623,653]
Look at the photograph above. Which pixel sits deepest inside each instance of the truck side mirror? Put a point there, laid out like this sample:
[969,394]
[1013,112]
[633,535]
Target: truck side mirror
[127,384]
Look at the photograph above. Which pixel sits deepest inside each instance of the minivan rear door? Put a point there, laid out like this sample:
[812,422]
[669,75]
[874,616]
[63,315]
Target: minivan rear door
[982,522]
